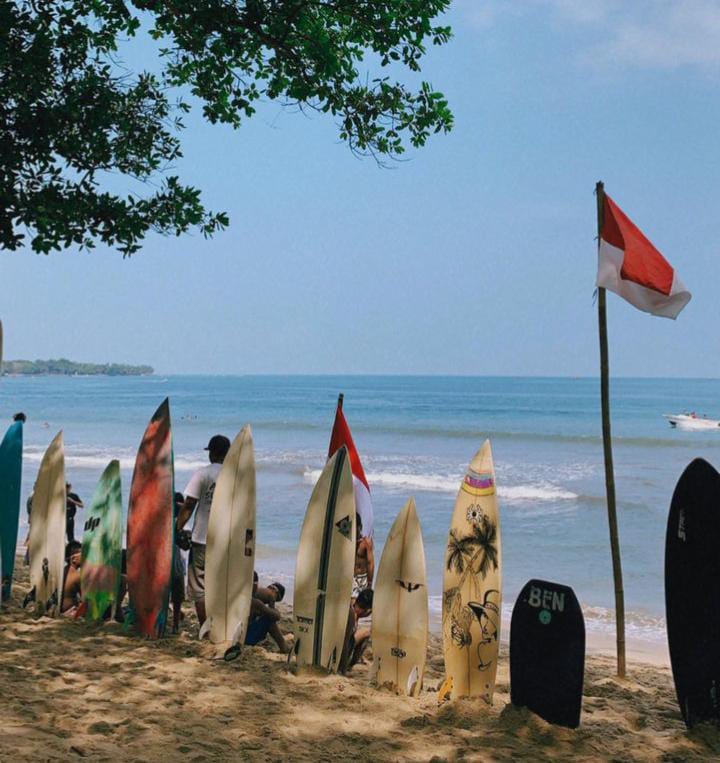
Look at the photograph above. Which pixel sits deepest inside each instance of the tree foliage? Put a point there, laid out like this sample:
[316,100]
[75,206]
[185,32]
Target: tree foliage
[72,113]
[65,367]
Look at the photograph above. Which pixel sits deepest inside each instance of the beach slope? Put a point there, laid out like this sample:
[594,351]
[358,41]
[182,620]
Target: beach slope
[73,690]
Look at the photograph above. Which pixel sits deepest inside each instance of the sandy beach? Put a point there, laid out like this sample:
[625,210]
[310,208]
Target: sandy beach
[74,690]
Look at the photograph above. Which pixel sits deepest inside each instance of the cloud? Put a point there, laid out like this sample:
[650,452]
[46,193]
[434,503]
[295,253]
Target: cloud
[647,34]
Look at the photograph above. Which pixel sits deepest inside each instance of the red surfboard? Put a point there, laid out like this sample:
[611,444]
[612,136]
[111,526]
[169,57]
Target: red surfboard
[150,527]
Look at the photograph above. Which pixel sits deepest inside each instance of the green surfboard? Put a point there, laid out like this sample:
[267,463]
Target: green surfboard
[102,545]
[10,478]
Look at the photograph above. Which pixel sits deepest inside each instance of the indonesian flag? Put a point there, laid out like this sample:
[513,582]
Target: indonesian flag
[632,267]
[341,436]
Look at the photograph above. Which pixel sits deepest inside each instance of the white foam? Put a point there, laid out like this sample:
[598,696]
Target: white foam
[99,460]
[450,484]
[539,492]
[638,625]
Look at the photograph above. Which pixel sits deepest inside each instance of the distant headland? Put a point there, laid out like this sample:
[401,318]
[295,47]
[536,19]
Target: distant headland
[64,367]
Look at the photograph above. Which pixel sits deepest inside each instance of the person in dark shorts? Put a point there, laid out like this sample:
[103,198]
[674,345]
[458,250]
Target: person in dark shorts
[72,504]
[198,499]
[264,618]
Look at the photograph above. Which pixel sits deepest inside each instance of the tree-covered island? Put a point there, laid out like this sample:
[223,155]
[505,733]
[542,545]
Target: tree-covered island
[64,367]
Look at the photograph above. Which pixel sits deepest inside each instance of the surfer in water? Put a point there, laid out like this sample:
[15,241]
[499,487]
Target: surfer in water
[198,499]
[364,561]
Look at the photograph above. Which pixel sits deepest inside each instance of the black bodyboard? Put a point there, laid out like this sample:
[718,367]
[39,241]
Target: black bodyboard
[547,652]
[692,592]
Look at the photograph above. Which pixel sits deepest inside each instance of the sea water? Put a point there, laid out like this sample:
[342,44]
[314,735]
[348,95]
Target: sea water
[415,436]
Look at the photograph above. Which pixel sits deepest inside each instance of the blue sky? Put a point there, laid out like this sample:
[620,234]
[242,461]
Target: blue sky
[475,256]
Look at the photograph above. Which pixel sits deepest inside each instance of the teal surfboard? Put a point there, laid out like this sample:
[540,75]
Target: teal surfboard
[10,478]
[102,545]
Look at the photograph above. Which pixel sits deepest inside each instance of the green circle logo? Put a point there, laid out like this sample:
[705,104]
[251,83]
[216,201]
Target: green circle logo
[545,617]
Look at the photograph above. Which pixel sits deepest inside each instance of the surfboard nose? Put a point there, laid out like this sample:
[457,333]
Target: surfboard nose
[482,461]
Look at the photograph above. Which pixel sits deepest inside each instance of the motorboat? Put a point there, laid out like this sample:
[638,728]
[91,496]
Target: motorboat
[691,421]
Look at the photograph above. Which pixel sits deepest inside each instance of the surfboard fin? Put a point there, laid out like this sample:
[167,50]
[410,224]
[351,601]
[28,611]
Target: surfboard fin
[445,690]
[412,682]
[292,652]
[332,661]
[205,628]
[238,636]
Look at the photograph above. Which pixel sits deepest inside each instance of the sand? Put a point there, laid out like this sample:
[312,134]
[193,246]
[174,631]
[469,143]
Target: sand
[72,690]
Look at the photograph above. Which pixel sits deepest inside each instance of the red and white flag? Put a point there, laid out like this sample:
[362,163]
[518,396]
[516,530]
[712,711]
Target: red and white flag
[633,268]
[363,505]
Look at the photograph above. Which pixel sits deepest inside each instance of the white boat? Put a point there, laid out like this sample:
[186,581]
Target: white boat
[691,421]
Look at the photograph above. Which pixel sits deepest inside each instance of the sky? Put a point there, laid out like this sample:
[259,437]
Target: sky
[476,255]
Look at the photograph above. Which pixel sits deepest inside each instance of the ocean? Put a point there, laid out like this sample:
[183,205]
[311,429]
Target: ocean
[415,436]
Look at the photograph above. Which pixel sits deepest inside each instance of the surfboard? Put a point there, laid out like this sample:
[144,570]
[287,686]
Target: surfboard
[692,592]
[400,607]
[150,536]
[47,530]
[10,479]
[324,568]
[102,545]
[547,652]
[230,554]
[472,584]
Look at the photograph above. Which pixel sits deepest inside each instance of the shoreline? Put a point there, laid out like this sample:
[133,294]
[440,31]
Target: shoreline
[76,690]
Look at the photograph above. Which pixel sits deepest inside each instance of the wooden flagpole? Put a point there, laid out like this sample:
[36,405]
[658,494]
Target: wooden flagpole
[607,450]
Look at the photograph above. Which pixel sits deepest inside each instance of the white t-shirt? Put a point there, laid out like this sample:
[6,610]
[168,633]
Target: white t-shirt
[202,487]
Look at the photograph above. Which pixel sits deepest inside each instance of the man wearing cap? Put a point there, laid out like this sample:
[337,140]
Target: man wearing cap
[198,499]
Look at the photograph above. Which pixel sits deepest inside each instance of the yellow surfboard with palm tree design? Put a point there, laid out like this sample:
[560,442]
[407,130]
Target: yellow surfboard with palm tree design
[472,600]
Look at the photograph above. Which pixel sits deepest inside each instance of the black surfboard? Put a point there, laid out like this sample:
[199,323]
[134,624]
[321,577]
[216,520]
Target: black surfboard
[547,652]
[692,592]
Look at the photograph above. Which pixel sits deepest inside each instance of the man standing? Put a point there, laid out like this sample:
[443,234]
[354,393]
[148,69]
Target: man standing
[72,504]
[198,498]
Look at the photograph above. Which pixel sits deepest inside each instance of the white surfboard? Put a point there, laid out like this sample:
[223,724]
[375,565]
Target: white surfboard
[472,601]
[324,568]
[230,554]
[47,529]
[400,607]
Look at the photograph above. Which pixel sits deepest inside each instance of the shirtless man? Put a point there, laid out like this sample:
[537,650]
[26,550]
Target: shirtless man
[264,619]
[71,595]
[364,561]
[356,639]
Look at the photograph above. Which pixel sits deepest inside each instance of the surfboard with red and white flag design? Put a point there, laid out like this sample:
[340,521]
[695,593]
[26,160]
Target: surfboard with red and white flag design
[341,436]
[634,269]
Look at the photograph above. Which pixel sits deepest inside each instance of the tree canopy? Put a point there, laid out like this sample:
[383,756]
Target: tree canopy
[72,112]
[65,367]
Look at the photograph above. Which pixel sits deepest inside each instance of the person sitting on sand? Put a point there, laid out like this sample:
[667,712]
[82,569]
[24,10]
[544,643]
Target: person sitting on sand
[71,592]
[264,618]
[356,639]
[364,561]
[198,495]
